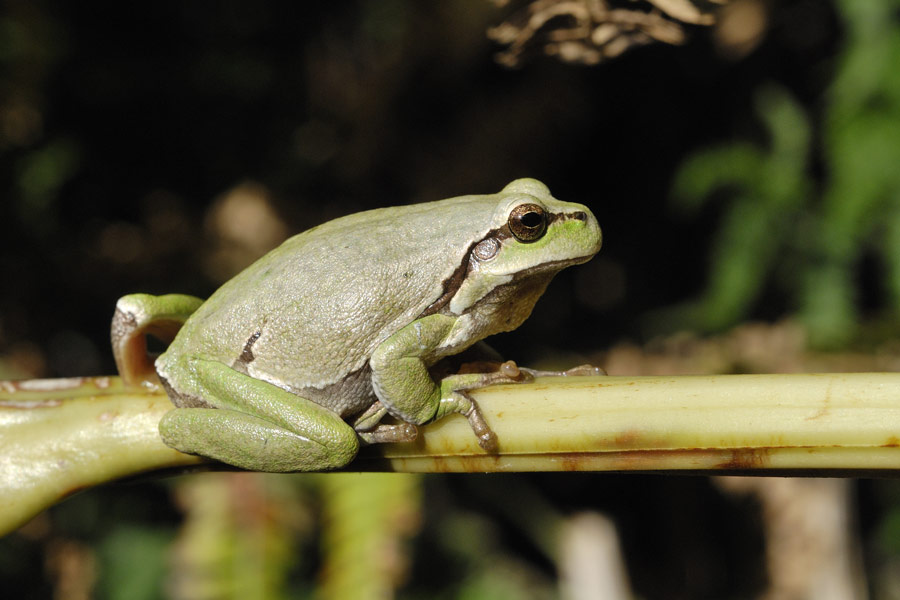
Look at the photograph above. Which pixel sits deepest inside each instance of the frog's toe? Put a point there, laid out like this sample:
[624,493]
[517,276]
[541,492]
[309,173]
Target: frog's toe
[579,371]
[384,434]
[510,369]
[586,371]
[488,441]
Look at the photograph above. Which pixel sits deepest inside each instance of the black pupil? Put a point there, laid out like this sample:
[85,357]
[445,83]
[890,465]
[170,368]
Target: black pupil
[531,220]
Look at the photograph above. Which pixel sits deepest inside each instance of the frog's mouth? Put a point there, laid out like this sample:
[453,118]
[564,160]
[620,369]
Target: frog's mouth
[527,285]
[553,265]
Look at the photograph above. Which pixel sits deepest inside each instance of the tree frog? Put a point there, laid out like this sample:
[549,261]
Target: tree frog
[293,362]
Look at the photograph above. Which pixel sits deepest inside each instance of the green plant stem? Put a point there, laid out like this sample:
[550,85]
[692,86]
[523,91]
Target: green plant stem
[61,436]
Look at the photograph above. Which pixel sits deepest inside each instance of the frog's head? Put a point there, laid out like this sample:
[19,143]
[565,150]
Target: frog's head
[532,237]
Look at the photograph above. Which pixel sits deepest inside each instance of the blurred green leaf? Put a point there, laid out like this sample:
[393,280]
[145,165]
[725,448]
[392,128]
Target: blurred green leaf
[41,174]
[240,536]
[367,519]
[777,210]
[766,188]
[133,563]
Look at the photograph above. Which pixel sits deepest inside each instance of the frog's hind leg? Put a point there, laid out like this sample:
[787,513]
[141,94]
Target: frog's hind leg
[248,442]
[256,425]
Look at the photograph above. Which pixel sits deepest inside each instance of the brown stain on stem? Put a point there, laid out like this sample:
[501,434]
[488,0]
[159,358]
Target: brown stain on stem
[746,459]
[826,405]
[737,459]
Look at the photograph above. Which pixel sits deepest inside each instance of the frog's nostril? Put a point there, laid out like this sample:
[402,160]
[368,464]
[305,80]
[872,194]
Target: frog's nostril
[580,215]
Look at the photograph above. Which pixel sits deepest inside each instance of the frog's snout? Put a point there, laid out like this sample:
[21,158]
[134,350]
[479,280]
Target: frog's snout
[593,236]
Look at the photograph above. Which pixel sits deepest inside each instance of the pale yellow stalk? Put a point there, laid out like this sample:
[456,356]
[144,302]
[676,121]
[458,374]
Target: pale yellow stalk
[60,436]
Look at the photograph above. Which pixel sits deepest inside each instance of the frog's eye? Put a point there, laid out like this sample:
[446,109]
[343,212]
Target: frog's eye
[527,222]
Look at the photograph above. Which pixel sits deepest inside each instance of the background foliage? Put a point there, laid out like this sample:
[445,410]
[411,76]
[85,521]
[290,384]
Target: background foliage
[163,147]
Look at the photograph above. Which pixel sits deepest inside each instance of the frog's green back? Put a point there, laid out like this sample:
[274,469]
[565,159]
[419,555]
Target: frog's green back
[323,300]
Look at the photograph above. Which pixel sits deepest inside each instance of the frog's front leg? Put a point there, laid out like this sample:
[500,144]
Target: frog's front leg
[253,424]
[404,385]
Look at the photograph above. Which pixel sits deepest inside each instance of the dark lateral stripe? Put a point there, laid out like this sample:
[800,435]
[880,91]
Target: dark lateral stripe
[247,354]
[452,284]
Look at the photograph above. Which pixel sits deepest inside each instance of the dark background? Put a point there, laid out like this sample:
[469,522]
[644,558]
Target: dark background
[137,118]
[124,127]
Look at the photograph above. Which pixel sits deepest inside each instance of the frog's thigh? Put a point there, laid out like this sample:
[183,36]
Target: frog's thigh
[247,442]
[399,375]
[257,425]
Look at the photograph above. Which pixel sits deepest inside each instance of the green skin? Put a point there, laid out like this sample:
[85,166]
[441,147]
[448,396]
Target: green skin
[304,352]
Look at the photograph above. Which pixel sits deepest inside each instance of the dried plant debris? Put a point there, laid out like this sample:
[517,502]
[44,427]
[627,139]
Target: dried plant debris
[590,31]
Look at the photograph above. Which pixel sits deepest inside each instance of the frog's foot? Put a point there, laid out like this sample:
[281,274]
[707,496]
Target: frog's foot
[370,429]
[505,372]
[455,397]
[385,434]
[494,372]
[370,418]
